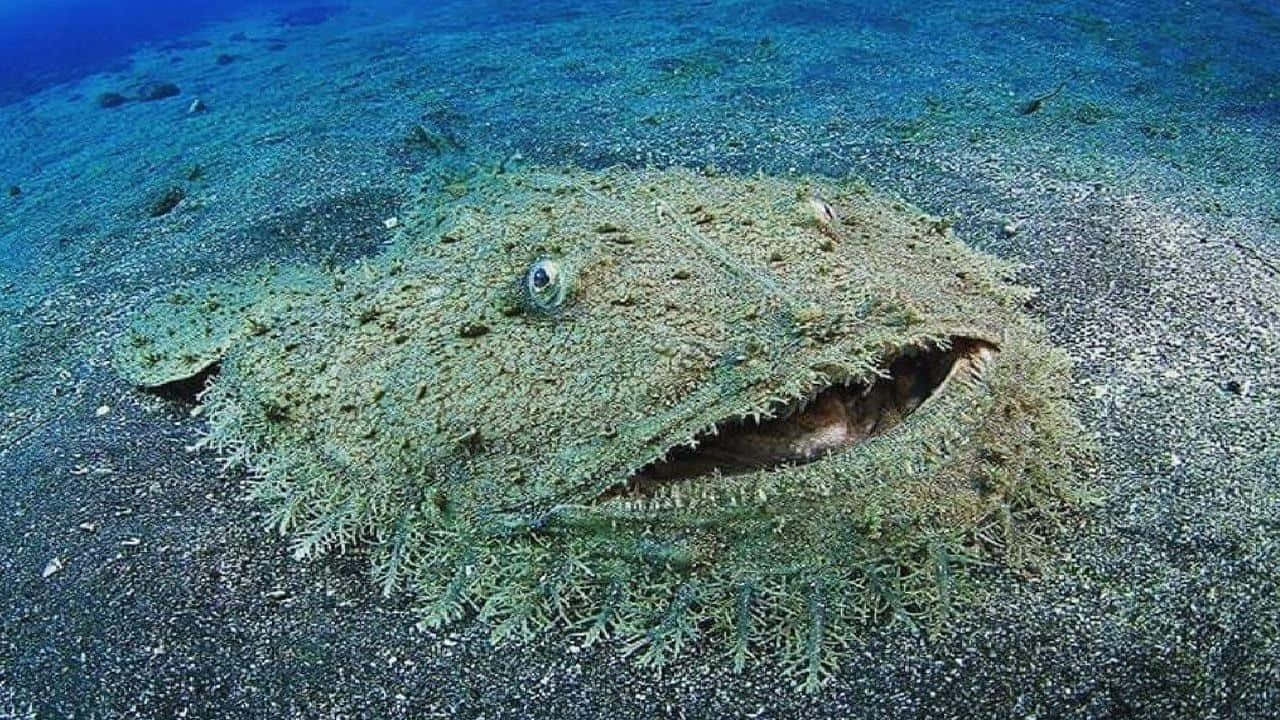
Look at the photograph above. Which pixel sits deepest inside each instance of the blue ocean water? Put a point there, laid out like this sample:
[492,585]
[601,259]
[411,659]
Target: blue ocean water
[45,43]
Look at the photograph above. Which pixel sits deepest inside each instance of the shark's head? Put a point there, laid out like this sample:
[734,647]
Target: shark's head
[652,404]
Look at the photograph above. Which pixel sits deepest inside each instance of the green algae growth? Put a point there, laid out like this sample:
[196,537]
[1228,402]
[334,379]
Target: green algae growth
[755,414]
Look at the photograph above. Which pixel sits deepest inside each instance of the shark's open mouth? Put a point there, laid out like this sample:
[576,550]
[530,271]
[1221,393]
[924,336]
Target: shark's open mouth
[833,419]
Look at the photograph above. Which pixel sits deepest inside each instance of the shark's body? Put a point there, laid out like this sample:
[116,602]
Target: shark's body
[551,400]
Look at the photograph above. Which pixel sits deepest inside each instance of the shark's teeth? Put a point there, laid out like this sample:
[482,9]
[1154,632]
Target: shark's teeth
[979,362]
[833,410]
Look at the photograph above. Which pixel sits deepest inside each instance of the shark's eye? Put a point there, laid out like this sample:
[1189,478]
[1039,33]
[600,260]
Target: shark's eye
[545,284]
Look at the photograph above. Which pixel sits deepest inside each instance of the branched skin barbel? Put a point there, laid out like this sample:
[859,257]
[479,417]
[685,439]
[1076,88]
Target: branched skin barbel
[550,403]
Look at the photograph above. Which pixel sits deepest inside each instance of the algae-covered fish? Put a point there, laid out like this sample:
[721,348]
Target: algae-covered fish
[650,406]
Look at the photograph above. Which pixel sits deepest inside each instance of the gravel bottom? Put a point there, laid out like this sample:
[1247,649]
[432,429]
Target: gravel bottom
[138,582]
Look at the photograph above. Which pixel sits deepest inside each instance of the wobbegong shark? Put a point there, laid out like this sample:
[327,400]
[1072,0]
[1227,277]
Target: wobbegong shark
[664,409]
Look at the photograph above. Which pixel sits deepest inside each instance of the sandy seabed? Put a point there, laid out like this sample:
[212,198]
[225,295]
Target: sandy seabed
[1141,199]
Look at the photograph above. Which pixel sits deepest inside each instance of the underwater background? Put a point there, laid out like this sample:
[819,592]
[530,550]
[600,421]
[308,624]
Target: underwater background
[1127,155]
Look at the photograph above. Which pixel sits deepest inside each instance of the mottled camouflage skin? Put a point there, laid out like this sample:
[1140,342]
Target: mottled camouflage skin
[475,432]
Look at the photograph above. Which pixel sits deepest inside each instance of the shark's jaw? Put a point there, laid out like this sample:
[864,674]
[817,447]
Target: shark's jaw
[832,419]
